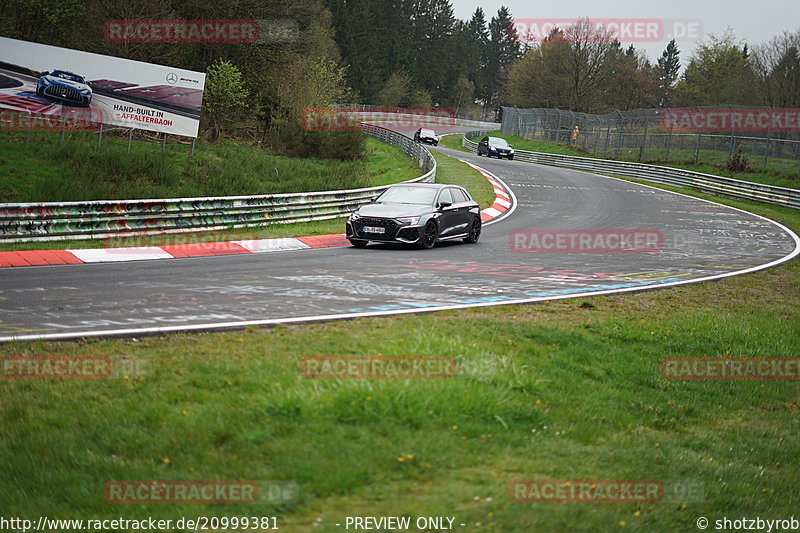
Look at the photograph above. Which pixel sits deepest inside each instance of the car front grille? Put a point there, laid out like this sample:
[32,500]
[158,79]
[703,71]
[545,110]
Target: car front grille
[64,92]
[388,223]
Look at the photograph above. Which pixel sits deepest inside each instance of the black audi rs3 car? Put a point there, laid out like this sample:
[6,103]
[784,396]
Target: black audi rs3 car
[416,213]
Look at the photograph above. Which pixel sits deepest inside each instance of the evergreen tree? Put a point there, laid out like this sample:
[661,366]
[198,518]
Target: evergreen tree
[504,48]
[668,65]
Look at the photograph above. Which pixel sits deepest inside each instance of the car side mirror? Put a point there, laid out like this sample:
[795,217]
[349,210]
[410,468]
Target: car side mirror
[442,205]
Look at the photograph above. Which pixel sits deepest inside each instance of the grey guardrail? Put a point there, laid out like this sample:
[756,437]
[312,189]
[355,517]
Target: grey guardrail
[25,222]
[666,175]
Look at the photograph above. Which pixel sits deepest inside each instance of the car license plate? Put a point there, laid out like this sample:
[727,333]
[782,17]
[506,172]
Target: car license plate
[373,229]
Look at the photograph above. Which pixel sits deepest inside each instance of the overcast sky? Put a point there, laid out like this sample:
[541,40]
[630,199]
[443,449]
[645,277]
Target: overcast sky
[754,22]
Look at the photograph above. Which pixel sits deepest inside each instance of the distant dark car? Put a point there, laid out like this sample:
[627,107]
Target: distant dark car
[65,87]
[495,146]
[416,213]
[426,136]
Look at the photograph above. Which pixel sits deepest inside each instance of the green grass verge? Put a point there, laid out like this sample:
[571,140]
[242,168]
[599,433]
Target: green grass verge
[387,164]
[781,173]
[46,171]
[455,172]
[561,390]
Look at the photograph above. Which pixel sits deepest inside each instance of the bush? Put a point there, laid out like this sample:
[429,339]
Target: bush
[289,138]
[739,163]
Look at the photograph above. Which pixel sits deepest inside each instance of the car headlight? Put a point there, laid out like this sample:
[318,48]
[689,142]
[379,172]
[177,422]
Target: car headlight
[85,91]
[511,150]
[354,216]
[408,220]
[45,81]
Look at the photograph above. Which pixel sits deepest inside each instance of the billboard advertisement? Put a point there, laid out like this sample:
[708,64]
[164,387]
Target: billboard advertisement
[81,87]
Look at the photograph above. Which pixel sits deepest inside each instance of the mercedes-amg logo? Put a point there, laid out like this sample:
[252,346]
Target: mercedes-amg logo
[172,78]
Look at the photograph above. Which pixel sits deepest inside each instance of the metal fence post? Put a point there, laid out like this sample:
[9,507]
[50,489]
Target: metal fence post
[669,143]
[644,143]
[766,148]
[100,135]
[163,142]
[62,129]
[697,149]
[193,140]
[30,123]
[598,134]
[130,137]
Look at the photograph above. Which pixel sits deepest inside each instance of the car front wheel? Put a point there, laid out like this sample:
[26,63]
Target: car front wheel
[428,239]
[474,232]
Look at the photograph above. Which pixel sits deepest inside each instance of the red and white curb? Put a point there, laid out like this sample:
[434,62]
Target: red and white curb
[504,203]
[141,253]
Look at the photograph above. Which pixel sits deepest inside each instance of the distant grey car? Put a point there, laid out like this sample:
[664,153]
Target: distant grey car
[427,136]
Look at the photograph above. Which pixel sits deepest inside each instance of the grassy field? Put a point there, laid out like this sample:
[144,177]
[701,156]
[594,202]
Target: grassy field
[779,173]
[47,171]
[562,390]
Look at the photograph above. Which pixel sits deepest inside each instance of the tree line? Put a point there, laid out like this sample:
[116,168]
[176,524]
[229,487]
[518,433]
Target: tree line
[583,69]
[413,53]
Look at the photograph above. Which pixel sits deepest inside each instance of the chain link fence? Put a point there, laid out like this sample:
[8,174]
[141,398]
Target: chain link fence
[642,135]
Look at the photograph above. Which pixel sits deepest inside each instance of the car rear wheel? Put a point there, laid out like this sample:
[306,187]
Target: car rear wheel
[359,244]
[428,239]
[474,232]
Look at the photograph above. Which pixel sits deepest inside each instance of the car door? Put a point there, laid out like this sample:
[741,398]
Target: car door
[448,216]
[462,204]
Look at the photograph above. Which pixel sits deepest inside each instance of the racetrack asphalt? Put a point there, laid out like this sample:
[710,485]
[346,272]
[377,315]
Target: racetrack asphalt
[700,241]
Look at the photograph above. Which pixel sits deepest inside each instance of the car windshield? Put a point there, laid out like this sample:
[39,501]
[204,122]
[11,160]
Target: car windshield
[494,141]
[408,195]
[67,76]
[427,133]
